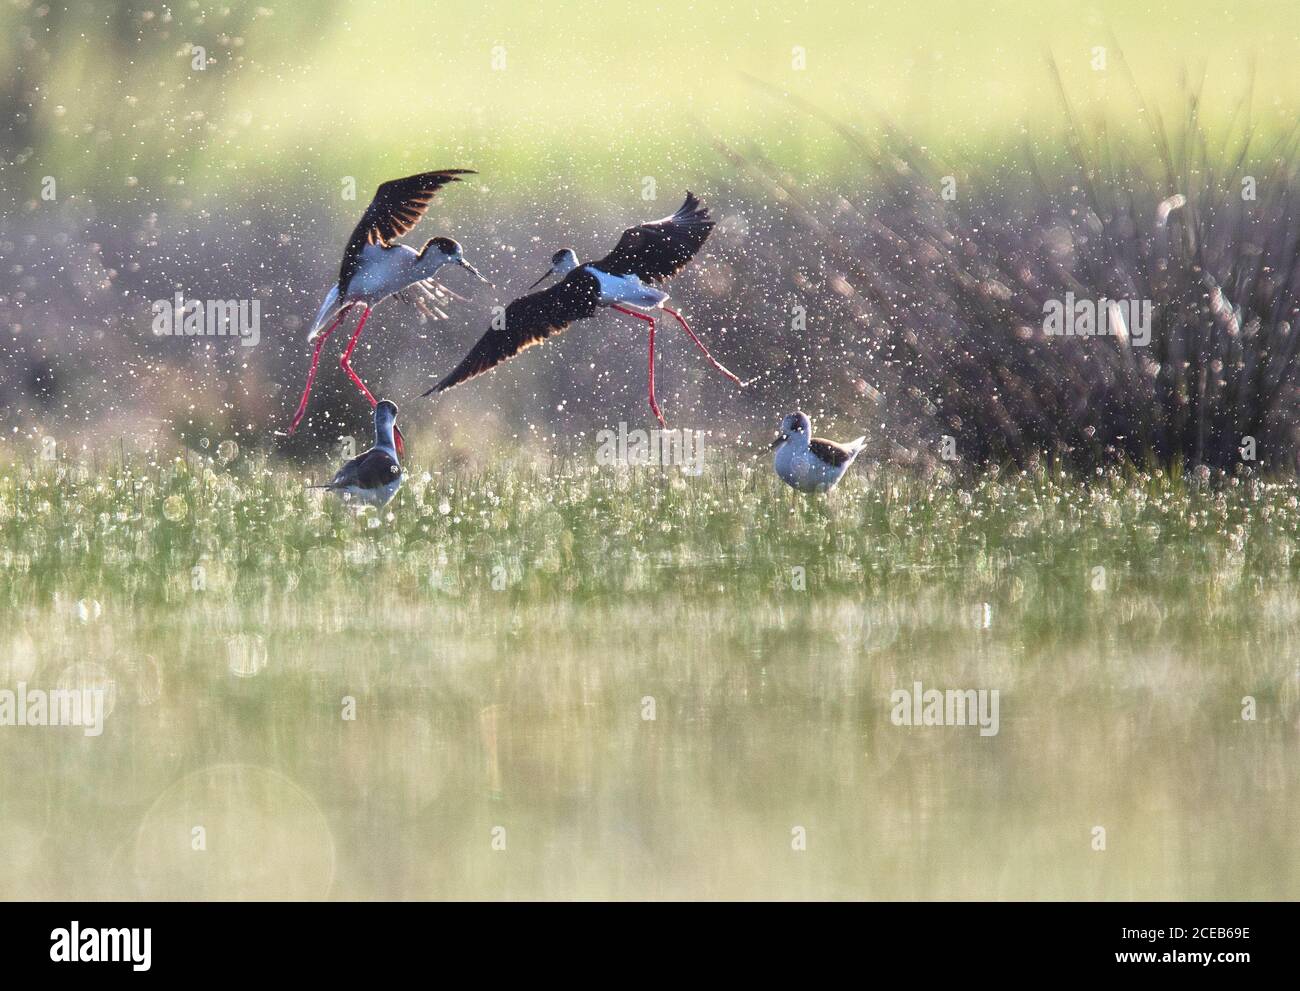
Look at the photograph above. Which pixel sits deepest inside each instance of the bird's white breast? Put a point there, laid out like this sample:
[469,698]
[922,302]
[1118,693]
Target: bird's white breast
[384,271]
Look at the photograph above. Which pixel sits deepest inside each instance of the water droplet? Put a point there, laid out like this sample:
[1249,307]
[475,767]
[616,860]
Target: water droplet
[246,655]
[175,508]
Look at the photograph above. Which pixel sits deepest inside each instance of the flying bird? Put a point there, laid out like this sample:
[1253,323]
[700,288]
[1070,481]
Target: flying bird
[375,476]
[375,267]
[809,463]
[623,280]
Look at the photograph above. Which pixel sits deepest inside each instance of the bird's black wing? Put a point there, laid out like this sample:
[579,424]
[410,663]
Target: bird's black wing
[371,470]
[529,320]
[654,251]
[829,451]
[397,207]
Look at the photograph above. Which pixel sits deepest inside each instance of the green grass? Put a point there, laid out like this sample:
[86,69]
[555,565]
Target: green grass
[521,707]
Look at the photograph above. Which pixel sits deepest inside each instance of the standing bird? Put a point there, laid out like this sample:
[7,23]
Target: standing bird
[375,268]
[373,477]
[645,254]
[809,463]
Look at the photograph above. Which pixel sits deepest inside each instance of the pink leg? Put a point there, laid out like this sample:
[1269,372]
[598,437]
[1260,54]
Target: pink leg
[311,374]
[346,361]
[346,364]
[725,371]
[651,321]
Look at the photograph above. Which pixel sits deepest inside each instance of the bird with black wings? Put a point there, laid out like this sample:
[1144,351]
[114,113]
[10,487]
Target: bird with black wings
[373,477]
[623,280]
[375,267]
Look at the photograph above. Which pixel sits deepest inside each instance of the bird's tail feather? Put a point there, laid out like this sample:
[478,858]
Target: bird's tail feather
[328,311]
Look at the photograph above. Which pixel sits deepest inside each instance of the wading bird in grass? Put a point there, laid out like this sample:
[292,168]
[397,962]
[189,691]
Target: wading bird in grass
[374,477]
[622,280]
[809,463]
[374,268]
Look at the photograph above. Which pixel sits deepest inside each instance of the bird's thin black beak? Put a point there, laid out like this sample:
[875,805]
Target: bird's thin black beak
[779,439]
[544,277]
[472,271]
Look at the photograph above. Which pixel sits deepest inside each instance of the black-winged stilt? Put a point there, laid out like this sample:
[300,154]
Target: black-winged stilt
[375,268]
[375,476]
[809,463]
[647,253]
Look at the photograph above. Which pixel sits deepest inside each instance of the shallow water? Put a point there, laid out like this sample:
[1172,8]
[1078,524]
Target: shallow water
[579,684]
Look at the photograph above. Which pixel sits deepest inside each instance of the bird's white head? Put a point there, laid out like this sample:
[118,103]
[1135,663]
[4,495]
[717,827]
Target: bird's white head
[795,429]
[563,262]
[440,251]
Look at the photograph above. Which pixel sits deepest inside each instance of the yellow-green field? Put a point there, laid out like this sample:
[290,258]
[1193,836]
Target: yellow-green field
[504,635]
[593,92]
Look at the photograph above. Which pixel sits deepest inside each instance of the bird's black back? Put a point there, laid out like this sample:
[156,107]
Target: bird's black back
[372,470]
[829,452]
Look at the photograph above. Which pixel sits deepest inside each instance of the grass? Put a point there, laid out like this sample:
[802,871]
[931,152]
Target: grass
[501,631]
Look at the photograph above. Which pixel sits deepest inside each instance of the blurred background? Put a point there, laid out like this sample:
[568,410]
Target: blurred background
[228,182]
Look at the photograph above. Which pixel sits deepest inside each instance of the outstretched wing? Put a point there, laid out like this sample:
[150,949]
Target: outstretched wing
[372,470]
[529,320]
[397,207]
[654,251]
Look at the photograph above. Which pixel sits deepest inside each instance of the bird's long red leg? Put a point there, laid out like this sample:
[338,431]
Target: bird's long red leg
[346,364]
[311,374]
[700,344]
[651,321]
[654,405]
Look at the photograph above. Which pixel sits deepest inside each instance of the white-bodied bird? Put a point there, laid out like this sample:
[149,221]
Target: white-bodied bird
[374,268]
[809,463]
[624,280]
[375,476]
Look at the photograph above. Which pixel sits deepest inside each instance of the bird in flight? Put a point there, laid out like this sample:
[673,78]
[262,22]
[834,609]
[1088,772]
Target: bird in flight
[624,280]
[376,267]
